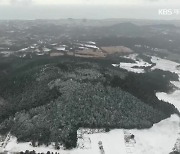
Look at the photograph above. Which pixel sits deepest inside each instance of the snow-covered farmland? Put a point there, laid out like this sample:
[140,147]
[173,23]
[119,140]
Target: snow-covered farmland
[167,65]
[173,98]
[91,45]
[159,139]
[136,67]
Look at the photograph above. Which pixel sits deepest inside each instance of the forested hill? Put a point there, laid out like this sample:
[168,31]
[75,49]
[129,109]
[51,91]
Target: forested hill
[47,99]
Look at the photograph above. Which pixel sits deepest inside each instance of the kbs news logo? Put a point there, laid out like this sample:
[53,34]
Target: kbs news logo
[168,12]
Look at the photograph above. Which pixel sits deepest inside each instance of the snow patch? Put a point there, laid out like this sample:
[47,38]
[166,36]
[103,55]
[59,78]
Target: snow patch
[167,65]
[60,48]
[159,139]
[133,67]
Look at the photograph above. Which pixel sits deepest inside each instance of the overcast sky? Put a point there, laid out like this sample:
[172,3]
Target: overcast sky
[113,2]
[97,9]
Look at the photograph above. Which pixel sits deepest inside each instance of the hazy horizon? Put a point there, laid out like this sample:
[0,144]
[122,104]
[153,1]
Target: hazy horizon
[90,9]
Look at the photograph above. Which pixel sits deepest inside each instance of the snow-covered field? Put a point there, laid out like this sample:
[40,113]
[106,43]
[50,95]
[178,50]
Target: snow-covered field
[173,98]
[159,139]
[133,67]
[167,65]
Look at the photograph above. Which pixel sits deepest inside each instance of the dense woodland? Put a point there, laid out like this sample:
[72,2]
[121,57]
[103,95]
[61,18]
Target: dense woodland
[46,100]
[175,152]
